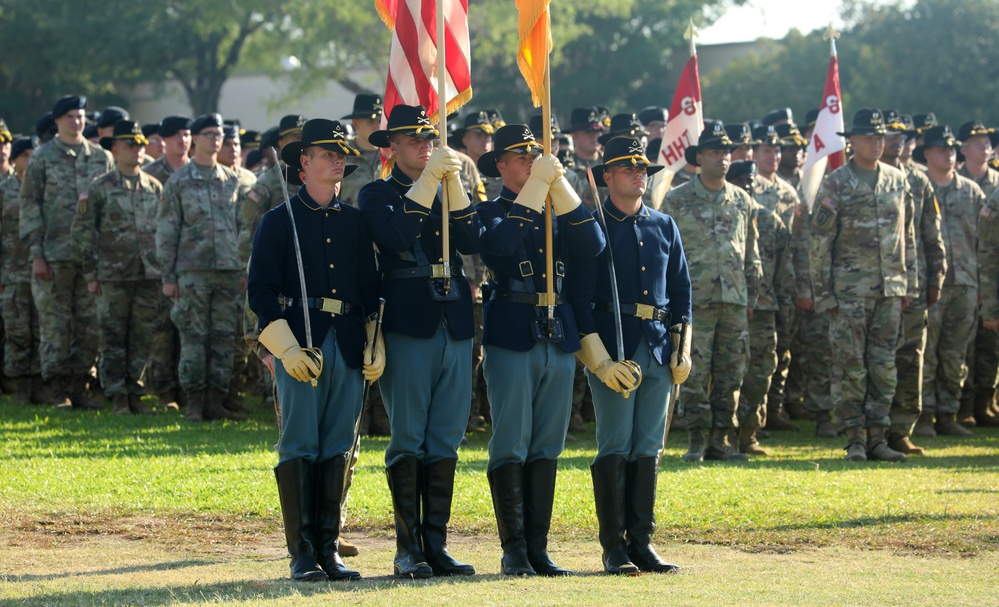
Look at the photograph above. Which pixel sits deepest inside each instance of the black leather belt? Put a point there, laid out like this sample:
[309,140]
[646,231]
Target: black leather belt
[432,271]
[325,304]
[534,299]
[643,311]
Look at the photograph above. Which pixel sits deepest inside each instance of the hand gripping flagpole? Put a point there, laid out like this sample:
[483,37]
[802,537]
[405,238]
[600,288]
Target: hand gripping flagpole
[546,119]
[634,367]
[442,127]
[314,353]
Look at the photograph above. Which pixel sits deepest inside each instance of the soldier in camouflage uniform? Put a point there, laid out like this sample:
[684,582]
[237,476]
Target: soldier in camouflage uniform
[196,244]
[20,318]
[863,262]
[792,156]
[952,320]
[979,394]
[932,264]
[6,139]
[164,359]
[55,186]
[267,192]
[988,262]
[742,136]
[717,222]
[585,129]
[775,293]
[366,118]
[117,235]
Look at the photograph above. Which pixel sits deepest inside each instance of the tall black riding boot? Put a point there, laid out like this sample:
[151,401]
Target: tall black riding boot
[609,494]
[296,488]
[329,488]
[641,519]
[507,486]
[438,490]
[405,480]
[539,496]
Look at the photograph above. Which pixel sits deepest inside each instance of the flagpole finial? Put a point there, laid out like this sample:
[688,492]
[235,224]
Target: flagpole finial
[831,35]
[690,34]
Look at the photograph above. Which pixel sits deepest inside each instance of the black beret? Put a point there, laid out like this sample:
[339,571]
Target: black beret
[172,124]
[111,115]
[21,146]
[44,124]
[148,130]
[206,121]
[67,103]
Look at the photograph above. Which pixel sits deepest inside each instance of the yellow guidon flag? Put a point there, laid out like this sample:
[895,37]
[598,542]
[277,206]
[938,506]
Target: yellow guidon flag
[535,44]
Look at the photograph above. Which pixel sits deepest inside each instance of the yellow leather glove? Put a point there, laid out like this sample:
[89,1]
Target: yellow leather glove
[564,198]
[281,342]
[374,353]
[679,361]
[594,356]
[544,171]
[457,198]
[442,161]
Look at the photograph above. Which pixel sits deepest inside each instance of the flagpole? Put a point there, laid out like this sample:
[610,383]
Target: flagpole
[546,121]
[442,127]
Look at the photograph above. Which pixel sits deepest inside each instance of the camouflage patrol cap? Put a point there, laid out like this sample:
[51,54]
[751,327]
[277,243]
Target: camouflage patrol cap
[866,121]
[125,130]
[111,115]
[623,125]
[713,137]
[585,119]
[653,113]
[790,136]
[206,121]
[366,105]
[291,124]
[766,134]
[172,124]
[22,145]
[67,103]
[409,120]
[740,134]
[319,132]
[626,152]
[511,138]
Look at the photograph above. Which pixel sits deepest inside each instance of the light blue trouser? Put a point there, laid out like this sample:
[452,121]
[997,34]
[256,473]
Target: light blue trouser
[530,401]
[318,423]
[426,387]
[633,427]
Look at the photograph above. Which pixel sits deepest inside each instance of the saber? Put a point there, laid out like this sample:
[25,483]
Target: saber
[356,444]
[315,353]
[674,392]
[615,300]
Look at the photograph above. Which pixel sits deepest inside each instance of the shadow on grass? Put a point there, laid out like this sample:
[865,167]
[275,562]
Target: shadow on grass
[247,590]
[169,566]
[873,521]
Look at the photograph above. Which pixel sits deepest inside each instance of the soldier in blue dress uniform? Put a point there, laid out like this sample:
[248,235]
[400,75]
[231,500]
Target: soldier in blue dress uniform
[655,295]
[317,418]
[428,328]
[528,361]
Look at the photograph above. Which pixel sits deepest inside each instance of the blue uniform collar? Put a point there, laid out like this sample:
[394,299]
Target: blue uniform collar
[507,196]
[312,205]
[401,178]
[612,211]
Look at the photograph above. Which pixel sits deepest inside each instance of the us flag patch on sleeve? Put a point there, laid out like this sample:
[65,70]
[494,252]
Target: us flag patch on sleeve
[829,203]
[986,212]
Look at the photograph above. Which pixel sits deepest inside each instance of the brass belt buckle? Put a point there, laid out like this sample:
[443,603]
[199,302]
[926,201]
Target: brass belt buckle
[439,270]
[542,300]
[332,306]
[645,311]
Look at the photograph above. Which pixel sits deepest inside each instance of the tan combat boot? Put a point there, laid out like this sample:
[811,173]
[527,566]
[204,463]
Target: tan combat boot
[947,425]
[696,445]
[195,409]
[966,410]
[856,446]
[824,427]
[748,443]
[119,404]
[877,446]
[901,443]
[984,416]
[719,448]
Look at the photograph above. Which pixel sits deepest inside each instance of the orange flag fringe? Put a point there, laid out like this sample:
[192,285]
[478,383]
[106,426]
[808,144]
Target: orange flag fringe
[535,44]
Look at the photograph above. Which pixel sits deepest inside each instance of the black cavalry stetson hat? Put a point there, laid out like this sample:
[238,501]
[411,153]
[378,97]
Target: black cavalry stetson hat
[514,138]
[935,137]
[740,134]
[867,121]
[713,137]
[976,128]
[585,119]
[409,120]
[790,136]
[366,105]
[291,124]
[320,132]
[651,113]
[626,152]
[476,121]
[766,135]
[899,123]
[924,121]
[775,116]
[125,130]
[537,120]
[623,125]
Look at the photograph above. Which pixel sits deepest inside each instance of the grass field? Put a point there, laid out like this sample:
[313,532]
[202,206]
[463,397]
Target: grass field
[103,510]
